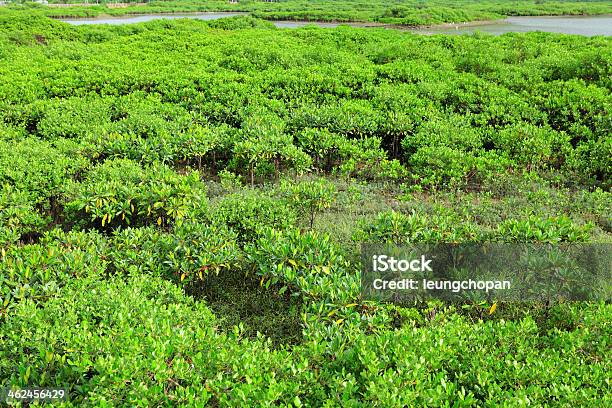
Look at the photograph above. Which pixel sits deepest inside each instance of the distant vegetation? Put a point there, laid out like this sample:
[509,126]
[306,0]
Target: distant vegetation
[182,205]
[404,12]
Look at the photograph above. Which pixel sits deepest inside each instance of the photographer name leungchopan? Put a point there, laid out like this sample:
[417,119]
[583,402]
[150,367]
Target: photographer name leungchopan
[454,286]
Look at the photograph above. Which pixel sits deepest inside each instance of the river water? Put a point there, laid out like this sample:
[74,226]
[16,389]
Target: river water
[581,25]
[141,18]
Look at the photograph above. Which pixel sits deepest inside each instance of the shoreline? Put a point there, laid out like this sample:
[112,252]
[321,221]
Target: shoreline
[474,23]
[159,13]
[356,24]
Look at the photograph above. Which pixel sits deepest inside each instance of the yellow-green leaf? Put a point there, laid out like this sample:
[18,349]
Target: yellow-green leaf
[493,308]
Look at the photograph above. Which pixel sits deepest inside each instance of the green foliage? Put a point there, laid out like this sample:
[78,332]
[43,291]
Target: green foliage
[310,196]
[109,316]
[441,111]
[37,272]
[32,175]
[18,215]
[120,192]
[239,23]
[499,362]
[453,131]
[38,168]
[229,180]
[265,148]
[146,332]
[537,229]
[72,117]
[247,211]
[446,167]
[307,262]
[351,157]
[188,254]
[593,158]
[311,266]
[398,228]
[114,134]
[534,147]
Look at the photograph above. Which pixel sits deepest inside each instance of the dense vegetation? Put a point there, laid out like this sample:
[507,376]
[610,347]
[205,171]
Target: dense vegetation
[404,12]
[182,204]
